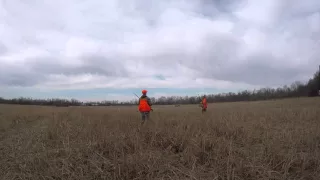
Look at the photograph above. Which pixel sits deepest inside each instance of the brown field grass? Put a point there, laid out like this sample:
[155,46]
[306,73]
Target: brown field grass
[246,140]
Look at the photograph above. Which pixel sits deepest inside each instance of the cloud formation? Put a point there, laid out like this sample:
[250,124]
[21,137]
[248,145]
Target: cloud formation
[147,43]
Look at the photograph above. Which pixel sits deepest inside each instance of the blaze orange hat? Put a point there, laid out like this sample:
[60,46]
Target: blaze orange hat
[144,91]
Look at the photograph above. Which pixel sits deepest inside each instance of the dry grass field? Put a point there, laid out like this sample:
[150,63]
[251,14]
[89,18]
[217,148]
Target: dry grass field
[246,140]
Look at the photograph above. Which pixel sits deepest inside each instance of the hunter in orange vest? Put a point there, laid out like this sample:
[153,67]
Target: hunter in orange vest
[145,105]
[204,104]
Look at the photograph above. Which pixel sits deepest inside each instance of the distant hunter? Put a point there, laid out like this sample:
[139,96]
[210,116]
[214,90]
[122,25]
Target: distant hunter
[145,106]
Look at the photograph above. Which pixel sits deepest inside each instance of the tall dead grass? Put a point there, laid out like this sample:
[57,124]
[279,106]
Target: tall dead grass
[248,140]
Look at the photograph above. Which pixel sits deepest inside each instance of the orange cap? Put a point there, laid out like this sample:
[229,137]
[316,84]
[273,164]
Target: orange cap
[144,91]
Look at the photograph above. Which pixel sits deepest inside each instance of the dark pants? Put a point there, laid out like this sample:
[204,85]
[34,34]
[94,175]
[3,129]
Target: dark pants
[145,115]
[204,110]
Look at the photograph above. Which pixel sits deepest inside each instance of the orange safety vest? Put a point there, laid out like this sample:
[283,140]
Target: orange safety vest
[204,102]
[143,105]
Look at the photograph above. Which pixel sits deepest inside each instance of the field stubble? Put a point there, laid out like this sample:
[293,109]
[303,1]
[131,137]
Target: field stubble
[246,140]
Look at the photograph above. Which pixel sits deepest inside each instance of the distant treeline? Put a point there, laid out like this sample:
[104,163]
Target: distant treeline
[297,89]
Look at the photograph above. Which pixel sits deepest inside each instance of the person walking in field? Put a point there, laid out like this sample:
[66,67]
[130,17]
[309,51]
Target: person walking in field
[204,104]
[145,106]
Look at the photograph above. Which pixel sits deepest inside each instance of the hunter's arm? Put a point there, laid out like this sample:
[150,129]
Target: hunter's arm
[149,101]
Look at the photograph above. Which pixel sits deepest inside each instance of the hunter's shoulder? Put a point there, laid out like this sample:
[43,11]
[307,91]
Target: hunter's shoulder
[145,97]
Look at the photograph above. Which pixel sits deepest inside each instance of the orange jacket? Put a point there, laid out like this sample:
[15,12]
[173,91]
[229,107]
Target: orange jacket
[204,103]
[144,104]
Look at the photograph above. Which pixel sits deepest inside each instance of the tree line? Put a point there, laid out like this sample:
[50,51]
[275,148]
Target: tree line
[297,89]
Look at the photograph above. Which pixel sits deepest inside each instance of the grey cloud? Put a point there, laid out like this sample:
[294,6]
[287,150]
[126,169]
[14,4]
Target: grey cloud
[219,58]
[25,80]
[19,76]
[3,49]
[258,71]
[222,56]
[217,54]
[216,50]
[91,64]
[104,65]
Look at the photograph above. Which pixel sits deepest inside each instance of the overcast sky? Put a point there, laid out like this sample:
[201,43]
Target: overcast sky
[97,49]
